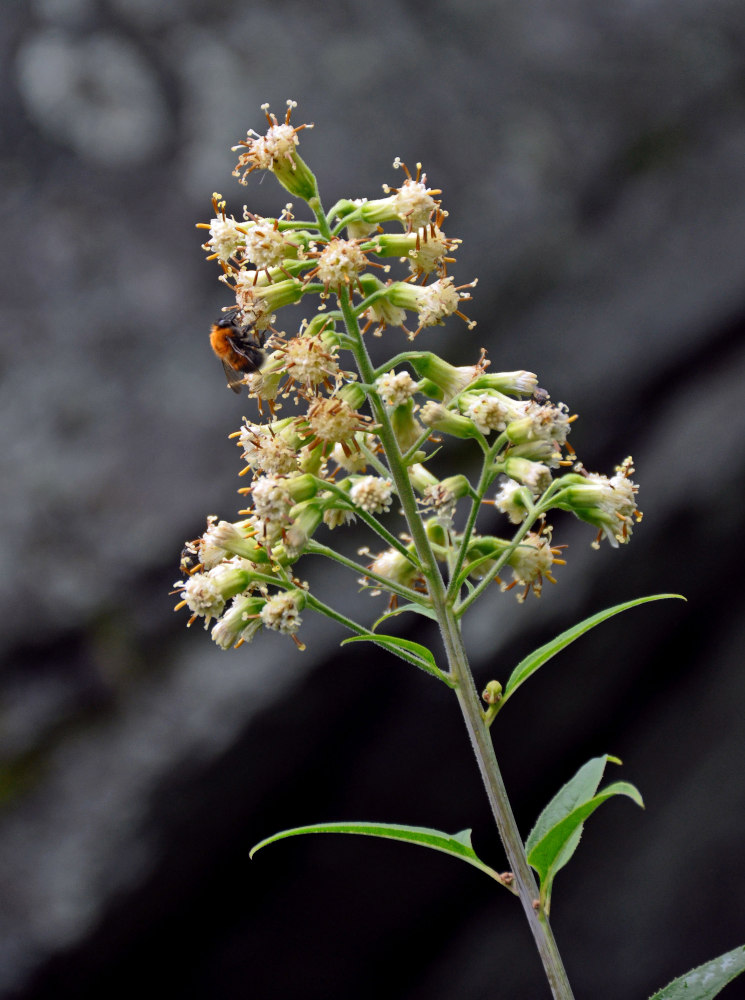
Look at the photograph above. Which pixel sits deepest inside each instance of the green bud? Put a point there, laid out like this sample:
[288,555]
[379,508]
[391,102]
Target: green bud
[449,379]
[492,693]
[353,394]
[294,174]
[405,425]
[439,418]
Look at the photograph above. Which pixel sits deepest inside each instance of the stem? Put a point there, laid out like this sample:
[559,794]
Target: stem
[460,672]
[509,834]
[317,549]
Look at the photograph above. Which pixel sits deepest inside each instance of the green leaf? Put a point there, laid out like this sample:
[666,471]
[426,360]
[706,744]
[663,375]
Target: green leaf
[412,652]
[538,657]
[469,568]
[557,832]
[418,609]
[457,845]
[707,980]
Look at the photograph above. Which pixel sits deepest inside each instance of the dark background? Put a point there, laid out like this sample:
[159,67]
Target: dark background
[592,158]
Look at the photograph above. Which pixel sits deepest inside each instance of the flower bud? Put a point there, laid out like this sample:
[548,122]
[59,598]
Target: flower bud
[304,519]
[353,394]
[392,565]
[449,380]
[439,418]
[492,693]
[421,478]
[519,383]
[512,500]
[405,425]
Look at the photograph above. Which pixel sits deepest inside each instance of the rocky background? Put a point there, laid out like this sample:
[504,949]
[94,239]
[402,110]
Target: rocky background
[593,161]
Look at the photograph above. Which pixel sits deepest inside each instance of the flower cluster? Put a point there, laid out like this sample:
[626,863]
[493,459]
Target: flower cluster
[355,442]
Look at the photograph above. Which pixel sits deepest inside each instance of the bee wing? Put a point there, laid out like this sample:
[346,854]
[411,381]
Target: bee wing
[249,350]
[235,379]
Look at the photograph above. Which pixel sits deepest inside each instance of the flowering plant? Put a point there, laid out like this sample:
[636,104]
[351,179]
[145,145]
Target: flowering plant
[358,443]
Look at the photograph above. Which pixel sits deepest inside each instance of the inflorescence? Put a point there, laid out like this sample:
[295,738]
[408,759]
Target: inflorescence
[324,464]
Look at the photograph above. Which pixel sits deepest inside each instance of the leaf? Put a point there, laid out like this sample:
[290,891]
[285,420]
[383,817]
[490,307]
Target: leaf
[707,980]
[457,845]
[469,568]
[538,657]
[412,652]
[557,832]
[418,609]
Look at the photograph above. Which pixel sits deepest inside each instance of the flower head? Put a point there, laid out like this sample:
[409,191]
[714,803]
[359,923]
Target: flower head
[282,612]
[433,303]
[372,494]
[395,388]
[275,151]
[412,204]
[530,562]
[309,362]
[340,263]
[331,421]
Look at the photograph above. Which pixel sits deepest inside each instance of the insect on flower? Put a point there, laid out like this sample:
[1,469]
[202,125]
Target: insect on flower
[239,347]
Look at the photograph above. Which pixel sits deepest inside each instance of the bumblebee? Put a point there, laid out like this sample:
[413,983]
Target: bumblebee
[239,347]
[190,562]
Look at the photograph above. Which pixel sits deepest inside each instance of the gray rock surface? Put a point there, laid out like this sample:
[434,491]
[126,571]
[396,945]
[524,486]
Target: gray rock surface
[593,161]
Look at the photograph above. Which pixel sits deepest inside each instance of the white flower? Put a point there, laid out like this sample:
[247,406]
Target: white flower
[281,613]
[271,498]
[396,388]
[225,237]
[488,412]
[508,500]
[372,494]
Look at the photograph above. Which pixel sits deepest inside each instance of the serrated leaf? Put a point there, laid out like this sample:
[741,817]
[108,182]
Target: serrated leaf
[707,980]
[528,666]
[557,832]
[417,609]
[457,845]
[407,649]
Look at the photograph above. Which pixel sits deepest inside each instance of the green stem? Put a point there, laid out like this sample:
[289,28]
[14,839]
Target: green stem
[337,616]
[460,672]
[314,548]
[502,811]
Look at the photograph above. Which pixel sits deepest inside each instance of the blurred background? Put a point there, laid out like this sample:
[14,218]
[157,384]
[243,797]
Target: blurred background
[592,158]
